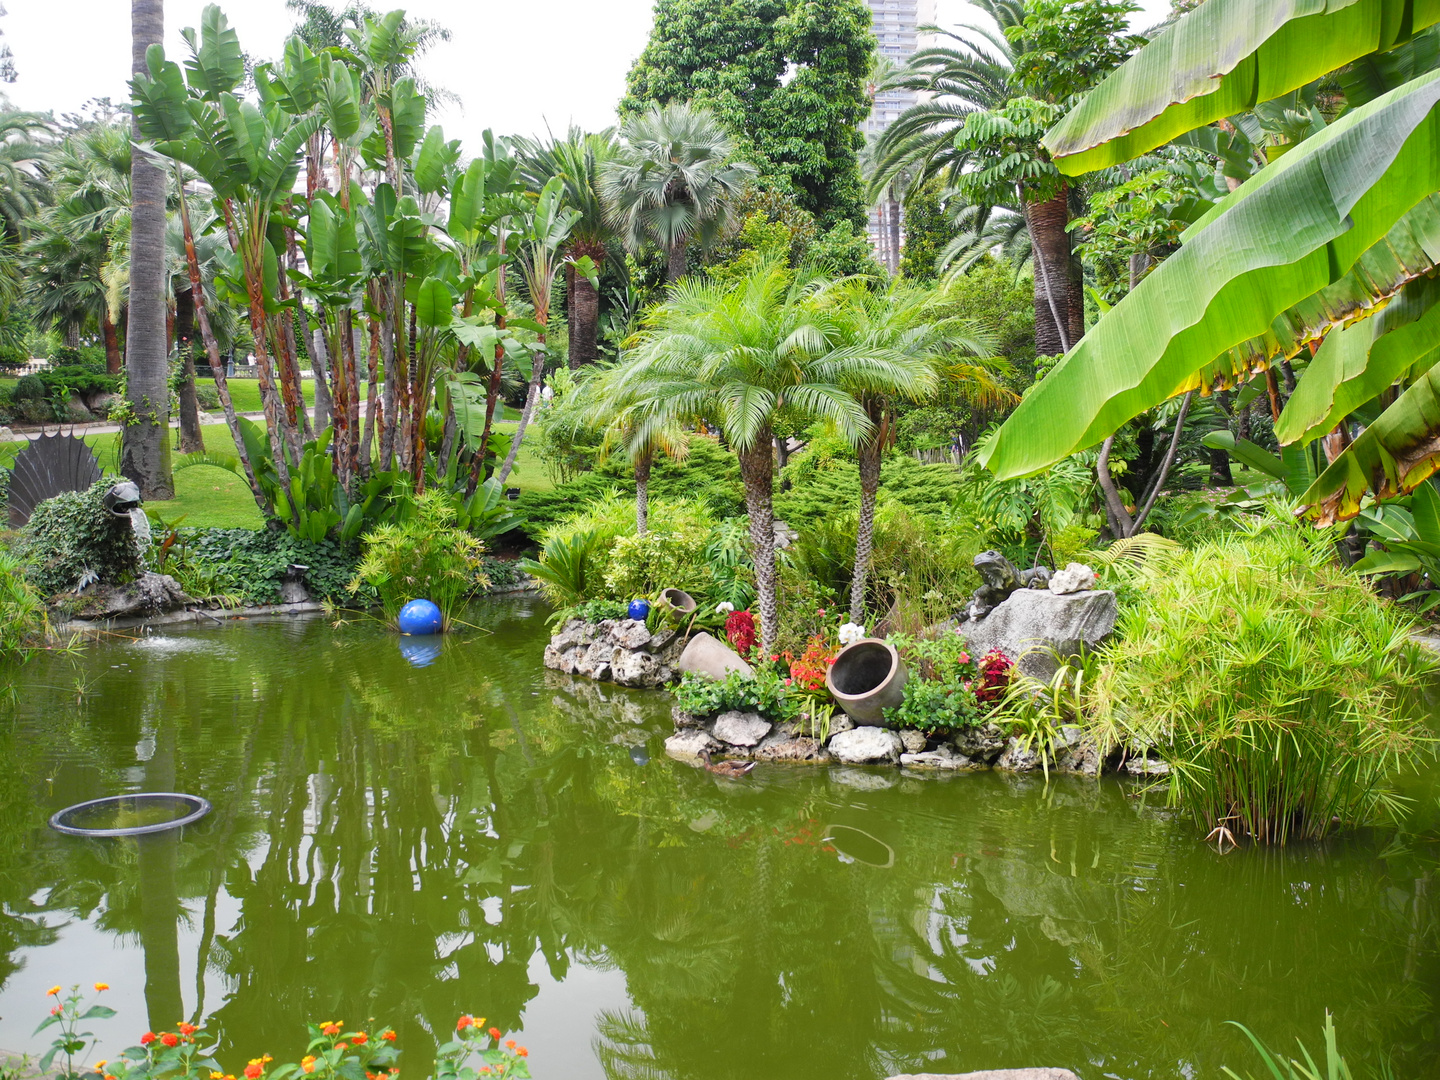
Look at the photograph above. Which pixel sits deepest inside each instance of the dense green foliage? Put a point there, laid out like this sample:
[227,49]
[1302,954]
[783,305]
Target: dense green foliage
[764,694]
[72,540]
[1280,689]
[256,562]
[786,77]
[426,557]
[22,611]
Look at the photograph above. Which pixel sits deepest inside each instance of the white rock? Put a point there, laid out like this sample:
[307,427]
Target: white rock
[866,746]
[639,669]
[741,728]
[1077,577]
[912,740]
[629,634]
[1035,626]
[941,758]
[689,744]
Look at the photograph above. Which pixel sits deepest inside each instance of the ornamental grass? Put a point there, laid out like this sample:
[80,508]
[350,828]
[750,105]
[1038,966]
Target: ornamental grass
[1283,693]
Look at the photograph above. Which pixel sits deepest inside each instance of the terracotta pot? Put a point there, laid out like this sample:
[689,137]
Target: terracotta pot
[867,678]
[680,600]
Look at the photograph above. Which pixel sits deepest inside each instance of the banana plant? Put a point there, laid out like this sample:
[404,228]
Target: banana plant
[1407,540]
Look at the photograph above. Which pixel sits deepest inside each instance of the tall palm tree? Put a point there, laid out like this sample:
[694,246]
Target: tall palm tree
[578,161]
[670,183]
[963,129]
[735,356]
[904,329]
[145,448]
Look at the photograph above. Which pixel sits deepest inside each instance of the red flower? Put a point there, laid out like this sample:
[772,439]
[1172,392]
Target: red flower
[495,1034]
[359,1038]
[186,1029]
[252,1072]
[147,1038]
[995,670]
[740,632]
[389,1036]
[170,1039]
[464,1022]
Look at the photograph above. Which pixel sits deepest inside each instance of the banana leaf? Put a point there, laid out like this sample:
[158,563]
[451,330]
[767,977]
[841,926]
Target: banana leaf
[1356,363]
[1223,58]
[1296,227]
[1394,455]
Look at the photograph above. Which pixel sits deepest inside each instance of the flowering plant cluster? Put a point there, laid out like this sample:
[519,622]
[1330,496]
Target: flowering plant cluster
[740,632]
[333,1052]
[995,671]
[808,672]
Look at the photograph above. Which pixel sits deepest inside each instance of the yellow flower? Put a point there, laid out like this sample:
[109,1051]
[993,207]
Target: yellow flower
[100,1065]
[216,1075]
[102,986]
[54,991]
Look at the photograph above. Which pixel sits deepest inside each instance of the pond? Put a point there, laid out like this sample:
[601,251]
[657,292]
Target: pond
[475,834]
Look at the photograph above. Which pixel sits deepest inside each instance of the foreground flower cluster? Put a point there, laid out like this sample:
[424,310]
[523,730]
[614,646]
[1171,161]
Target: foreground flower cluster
[333,1053]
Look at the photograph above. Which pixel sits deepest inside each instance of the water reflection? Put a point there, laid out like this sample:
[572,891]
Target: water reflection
[409,843]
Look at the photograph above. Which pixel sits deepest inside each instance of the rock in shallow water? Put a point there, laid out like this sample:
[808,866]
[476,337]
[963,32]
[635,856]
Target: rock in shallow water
[741,728]
[940,758]
[867,746]
[689,744]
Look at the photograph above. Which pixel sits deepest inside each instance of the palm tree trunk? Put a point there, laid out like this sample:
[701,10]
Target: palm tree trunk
[532,397]
[145,446]
[678,261]
[894,235]
[113,359]
[1050,244]
[870,454]
[583,302]
[757,472]
[191,439]
[642,491]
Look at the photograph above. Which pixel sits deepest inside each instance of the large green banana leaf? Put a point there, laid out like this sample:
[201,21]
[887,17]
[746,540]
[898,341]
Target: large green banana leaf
[1223,58]
[1356,363]
[1303,223]
[1391,457]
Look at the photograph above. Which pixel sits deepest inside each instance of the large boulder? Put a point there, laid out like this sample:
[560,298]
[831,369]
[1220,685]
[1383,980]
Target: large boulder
[148,595]
[741,728]
[708,656]
[867,745]
[1035,626]
[638,669]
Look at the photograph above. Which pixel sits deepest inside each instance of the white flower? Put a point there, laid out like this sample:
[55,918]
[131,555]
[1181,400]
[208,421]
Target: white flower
[724,608]
[851,633]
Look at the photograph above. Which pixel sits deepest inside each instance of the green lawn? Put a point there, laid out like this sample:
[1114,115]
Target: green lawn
[245,393]
[211,497]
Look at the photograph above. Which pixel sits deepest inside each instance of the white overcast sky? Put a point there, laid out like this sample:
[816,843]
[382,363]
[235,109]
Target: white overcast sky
[517,65]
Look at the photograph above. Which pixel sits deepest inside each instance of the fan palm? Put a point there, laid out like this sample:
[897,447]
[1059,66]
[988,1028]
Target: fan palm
[671,183]
[736,356]
[578,161]
[902,331]
[23,184]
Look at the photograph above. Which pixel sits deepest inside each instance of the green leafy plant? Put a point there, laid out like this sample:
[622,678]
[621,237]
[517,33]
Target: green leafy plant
[22,612]
[939,694]
[566,568]
[660,559]
[1279,1068]
[1276,684]
[257,562]
[427,557]
[67,1015]
[73,540]
[765,694]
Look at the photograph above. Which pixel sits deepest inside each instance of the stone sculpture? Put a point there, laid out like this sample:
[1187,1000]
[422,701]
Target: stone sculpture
[1000,578]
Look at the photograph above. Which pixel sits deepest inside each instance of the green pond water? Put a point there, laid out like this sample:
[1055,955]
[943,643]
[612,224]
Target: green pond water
[407,843]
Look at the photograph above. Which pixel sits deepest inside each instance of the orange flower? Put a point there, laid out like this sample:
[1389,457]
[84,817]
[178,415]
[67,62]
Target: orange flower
[147,1038]
[100,1065]
[495,1034]
[102,986]
[54,991]
[510,1044]
[359,1038]
[342,1045]
[170,1040]
[332,1029]
[389,1036]
[186,1029]
[523,1052]
[307,1063]
[253,1071]
[464,1022]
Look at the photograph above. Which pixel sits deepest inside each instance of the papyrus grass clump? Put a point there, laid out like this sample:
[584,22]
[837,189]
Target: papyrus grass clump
[1281,690]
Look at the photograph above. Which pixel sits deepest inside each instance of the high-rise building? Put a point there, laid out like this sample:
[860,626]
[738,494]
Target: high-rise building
[896,24]
[897,30]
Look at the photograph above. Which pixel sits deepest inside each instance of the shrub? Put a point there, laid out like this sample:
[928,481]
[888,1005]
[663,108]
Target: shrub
[567,569]
[22,612]
[207,398]
[661,559]
[427,557]
[765,694]
[1278,686]
[72,540]
[940,694]
[29,388]
[256,562]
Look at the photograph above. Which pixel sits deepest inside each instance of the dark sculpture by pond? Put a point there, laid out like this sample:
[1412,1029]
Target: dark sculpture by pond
[999,578]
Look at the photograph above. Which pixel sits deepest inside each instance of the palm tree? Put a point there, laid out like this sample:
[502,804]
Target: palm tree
[975,126]
[23,185]
[736,356]
[670,182]
[578,161]
[145,449]
[902,329]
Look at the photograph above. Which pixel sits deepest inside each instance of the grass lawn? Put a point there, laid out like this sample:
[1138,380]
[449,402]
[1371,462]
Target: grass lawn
[210,497]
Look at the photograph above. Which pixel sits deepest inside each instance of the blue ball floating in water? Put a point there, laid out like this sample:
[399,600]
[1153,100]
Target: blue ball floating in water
[639,609]
[420,617]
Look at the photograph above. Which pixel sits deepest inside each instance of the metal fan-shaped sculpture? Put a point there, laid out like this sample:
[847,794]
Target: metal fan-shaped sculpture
[51,465]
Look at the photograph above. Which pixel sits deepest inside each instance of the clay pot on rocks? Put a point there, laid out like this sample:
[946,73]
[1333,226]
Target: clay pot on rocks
[680,600]
[867,678]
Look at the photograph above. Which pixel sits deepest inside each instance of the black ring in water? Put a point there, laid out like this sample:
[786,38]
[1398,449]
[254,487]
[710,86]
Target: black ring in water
[198,809]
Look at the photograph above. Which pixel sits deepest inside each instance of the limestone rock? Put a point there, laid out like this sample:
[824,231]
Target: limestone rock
[1033,626]
[689,744]
[148,595]
[940,758]
[994,1074]
[781,747]
[741,728]
[639,669]
[594,662]
[866,746]
[708,656]
[572,633]
[629,634]
[561,659]
[1146,766]
[1075,752]
[1017,757]
[913,741]
[661,638]
[685,719]
[980,743]
[1077,577]
[841,722]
